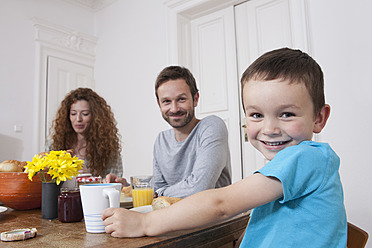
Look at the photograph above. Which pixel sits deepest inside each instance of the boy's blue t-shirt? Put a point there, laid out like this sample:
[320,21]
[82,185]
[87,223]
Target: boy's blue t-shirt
[311,212]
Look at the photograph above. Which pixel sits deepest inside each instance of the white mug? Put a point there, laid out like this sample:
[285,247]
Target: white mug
[95,198]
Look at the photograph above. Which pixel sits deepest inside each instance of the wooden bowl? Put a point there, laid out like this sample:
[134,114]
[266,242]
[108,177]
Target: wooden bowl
[18,192]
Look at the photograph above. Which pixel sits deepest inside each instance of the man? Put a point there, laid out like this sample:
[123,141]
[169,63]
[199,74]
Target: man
[194,155]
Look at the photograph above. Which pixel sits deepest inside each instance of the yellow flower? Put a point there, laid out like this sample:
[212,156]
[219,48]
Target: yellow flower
[35,166]
[58,164]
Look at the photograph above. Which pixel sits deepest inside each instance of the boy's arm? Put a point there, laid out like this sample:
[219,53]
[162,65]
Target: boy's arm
[198,210]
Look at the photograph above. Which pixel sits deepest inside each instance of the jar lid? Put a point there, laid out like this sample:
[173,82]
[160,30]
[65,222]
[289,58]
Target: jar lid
[87,179]
[69,190]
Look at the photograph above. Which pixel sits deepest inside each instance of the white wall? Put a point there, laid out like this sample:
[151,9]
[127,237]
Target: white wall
[341,42]
[132,49]
[18,103]
[131,52]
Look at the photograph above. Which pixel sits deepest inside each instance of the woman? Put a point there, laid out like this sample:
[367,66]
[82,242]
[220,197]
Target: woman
[86,124]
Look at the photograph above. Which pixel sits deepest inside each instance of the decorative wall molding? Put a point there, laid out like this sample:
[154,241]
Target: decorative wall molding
[57,41]
[92,5]
[64,38]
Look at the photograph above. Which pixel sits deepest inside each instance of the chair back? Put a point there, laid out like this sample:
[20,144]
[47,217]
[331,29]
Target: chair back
[356,237]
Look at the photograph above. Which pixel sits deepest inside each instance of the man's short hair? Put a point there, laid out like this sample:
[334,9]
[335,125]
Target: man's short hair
[174,73]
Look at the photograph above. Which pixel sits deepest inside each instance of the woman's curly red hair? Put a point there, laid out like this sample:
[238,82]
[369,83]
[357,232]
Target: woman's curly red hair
[102,136]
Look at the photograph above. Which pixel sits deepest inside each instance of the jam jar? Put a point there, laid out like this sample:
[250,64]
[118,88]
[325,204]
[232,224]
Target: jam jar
[69,205]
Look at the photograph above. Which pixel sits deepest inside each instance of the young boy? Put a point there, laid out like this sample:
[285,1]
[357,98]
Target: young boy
[297,197]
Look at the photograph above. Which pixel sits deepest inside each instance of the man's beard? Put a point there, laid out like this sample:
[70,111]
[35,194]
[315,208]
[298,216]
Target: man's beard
[179,123]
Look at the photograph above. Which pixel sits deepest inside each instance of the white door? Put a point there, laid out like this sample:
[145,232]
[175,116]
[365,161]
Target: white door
[225,38]
[263,25]
[214,67]
[62,77]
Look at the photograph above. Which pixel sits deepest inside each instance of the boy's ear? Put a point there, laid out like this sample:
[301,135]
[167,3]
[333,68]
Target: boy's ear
[322,118]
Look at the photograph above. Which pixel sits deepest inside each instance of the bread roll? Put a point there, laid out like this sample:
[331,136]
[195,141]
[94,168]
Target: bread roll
[12,166]
[164,201]
[126,191]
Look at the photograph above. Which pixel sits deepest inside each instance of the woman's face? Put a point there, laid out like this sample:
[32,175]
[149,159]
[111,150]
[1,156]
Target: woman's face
[80,116]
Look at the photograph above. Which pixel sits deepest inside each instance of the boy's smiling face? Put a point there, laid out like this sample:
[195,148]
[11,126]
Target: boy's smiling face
[279,114]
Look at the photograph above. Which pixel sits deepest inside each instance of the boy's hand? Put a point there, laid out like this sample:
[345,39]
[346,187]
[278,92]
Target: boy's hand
[121,222]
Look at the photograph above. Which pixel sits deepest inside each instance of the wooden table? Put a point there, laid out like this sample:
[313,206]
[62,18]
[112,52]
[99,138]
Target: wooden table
[57,234]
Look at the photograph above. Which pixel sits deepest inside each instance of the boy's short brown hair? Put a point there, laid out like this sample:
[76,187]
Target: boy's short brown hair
[289,64]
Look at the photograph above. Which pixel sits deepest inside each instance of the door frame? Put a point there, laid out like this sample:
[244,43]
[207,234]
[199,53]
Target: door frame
[180,13]
[61,42]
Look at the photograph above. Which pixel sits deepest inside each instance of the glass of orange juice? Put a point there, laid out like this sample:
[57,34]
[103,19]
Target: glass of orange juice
[142,190]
